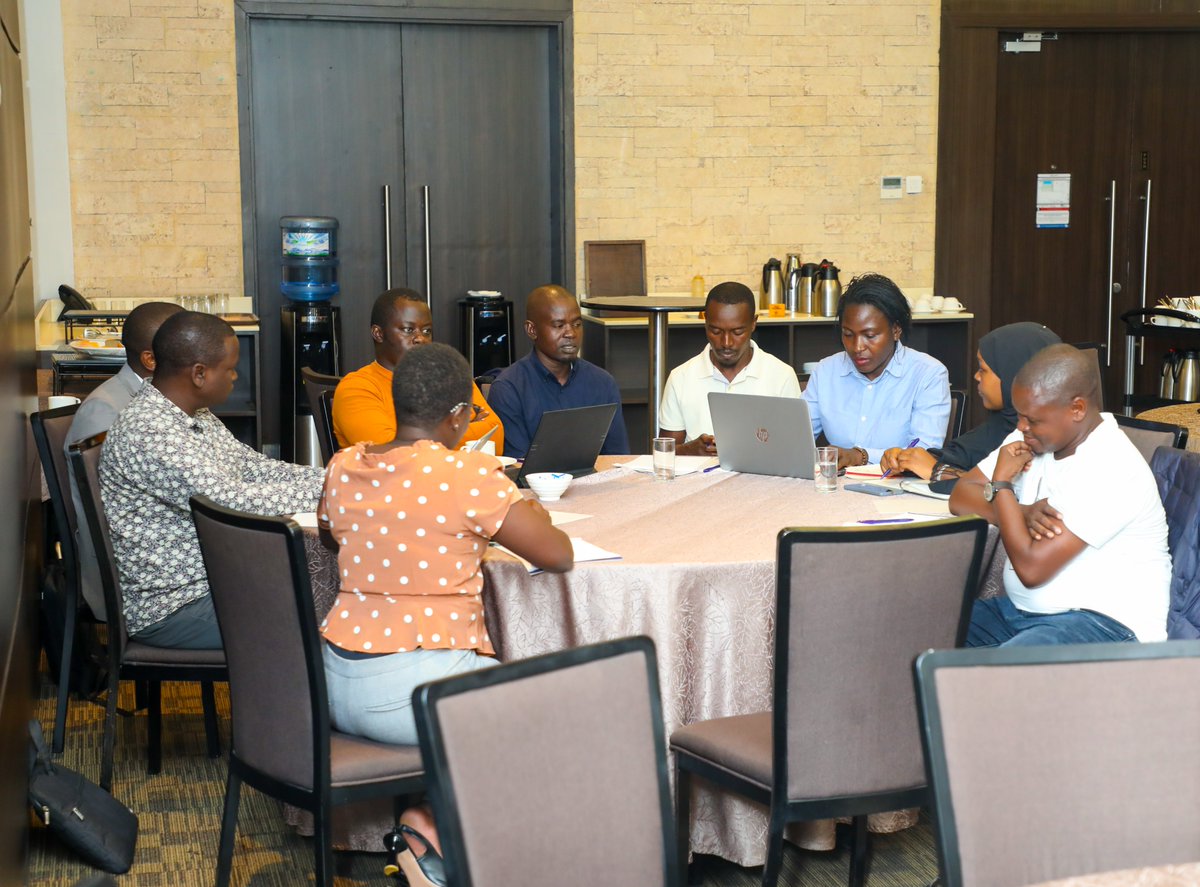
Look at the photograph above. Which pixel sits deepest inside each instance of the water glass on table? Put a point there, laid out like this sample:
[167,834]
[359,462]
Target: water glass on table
[825,470]
[664,458]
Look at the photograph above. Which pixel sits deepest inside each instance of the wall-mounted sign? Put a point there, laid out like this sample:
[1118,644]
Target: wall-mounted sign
[1053,202]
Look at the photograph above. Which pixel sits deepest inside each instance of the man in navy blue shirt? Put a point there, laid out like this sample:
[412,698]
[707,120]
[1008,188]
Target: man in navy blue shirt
[553,376]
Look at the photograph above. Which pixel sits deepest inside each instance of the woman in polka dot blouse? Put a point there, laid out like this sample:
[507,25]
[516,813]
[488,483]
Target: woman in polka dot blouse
[411,520]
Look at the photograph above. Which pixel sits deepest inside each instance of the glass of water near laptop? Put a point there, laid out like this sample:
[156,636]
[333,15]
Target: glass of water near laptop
[664,458]
[825,470]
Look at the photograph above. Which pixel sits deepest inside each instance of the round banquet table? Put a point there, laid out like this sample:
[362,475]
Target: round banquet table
[696,574]
[1186,415]
[1182,875]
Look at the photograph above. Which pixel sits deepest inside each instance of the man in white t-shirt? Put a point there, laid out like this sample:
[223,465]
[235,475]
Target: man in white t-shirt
[1078,512]
[731,362]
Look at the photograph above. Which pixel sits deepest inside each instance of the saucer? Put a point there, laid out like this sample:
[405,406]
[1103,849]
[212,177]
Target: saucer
[961,310]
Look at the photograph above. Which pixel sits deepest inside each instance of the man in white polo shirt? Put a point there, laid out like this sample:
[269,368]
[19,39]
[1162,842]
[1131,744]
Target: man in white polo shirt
[1079,513]
[731,362]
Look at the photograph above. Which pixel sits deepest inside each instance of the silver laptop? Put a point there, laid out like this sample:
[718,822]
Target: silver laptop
[763,435]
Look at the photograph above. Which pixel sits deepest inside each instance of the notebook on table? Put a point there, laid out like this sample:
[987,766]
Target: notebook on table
[566,441]
[763,435]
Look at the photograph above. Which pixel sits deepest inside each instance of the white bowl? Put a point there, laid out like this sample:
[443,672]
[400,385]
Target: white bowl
[549,485]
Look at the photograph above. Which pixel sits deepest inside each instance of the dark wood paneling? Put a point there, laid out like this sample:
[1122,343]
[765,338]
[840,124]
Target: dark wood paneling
[486,149]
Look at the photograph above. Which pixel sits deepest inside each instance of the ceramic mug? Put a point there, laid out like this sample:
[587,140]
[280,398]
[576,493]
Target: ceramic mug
[951,304]
[923,305]
[936,303]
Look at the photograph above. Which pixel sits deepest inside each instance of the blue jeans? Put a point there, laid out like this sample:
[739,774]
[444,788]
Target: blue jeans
[996,622]
[192,627]
[373,697]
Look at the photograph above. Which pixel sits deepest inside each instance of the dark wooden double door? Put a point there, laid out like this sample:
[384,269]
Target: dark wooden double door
[462,121]
[1117,112]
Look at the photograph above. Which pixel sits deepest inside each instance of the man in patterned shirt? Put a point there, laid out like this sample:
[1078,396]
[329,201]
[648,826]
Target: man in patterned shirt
[166,447]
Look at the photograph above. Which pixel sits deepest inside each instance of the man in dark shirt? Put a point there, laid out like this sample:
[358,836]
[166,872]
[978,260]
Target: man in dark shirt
[553,376]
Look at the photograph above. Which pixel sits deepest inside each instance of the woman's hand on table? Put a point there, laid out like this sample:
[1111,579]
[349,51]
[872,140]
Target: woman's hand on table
[1042,520]
[916,460]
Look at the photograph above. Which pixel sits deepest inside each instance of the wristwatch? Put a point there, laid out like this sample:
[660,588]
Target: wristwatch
[991,488]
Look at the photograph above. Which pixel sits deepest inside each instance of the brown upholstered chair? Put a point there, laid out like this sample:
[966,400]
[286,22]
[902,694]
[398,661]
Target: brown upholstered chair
[1148,436]
[50,429]
[570,748]
[128,659]
[282,742]
[319,388]
[1049,762]
[855,606]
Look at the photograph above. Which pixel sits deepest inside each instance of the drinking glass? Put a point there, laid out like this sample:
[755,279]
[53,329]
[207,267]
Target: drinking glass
[221,304]
[664,458]
[825,470]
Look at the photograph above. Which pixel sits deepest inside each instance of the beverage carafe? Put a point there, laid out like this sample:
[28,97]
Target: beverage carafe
[791,283]
[808,284]
[1187,377]
[1166,382]
[827,291]
[772,284]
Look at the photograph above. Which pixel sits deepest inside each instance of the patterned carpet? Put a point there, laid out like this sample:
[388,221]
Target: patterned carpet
[180,812]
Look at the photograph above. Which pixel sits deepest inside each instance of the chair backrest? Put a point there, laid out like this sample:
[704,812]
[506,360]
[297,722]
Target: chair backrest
[1098,350]
[860,604]
[958,413]
[258,577]
[1058,761]
[84,457]
[614,267]
[572,746]
[50,429]
[1177,473]
[316,386]
[1148,436]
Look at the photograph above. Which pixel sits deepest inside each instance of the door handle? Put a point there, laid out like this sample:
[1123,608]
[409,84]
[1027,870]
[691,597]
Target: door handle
[387,237]
[428,273]
[1113,286]
[1145,258]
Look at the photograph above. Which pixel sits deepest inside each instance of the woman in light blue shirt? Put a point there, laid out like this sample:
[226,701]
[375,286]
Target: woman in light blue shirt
[877,393]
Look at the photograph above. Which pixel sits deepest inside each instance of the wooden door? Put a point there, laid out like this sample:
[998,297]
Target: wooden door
[1064,109]
[1164,168]
[483,135]
[327,135]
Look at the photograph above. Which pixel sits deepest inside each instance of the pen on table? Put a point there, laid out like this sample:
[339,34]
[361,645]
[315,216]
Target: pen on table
[912,443]
[888,520]
[711,468]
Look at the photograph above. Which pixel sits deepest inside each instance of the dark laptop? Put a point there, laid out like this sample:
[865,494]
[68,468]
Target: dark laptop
[566,440]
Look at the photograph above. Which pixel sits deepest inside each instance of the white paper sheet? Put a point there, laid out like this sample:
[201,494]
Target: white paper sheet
[584,552]
[306,519]
[558,518]
[683,464]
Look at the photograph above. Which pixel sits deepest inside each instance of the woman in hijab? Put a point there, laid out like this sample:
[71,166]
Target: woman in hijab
[1001,354]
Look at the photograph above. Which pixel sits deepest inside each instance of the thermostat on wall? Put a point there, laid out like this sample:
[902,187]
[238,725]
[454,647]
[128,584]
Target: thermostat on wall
[891,187]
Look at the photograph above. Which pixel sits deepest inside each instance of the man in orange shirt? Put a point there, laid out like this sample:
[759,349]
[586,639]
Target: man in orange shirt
[362,404]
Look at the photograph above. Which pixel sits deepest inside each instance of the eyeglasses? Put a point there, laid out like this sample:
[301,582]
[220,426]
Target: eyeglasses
[477,412]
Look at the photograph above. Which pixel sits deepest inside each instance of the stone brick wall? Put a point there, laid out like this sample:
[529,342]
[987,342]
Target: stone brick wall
[724,133]
[721,132]
[153,142]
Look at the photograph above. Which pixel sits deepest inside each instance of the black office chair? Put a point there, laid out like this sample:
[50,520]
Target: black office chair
[958,413]
[129,659]
[316,387]
[50,429]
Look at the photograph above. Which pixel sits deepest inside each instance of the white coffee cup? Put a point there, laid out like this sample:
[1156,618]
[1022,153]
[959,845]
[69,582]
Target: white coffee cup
[923,305]
[54,401]
[951,304]
[936,303]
